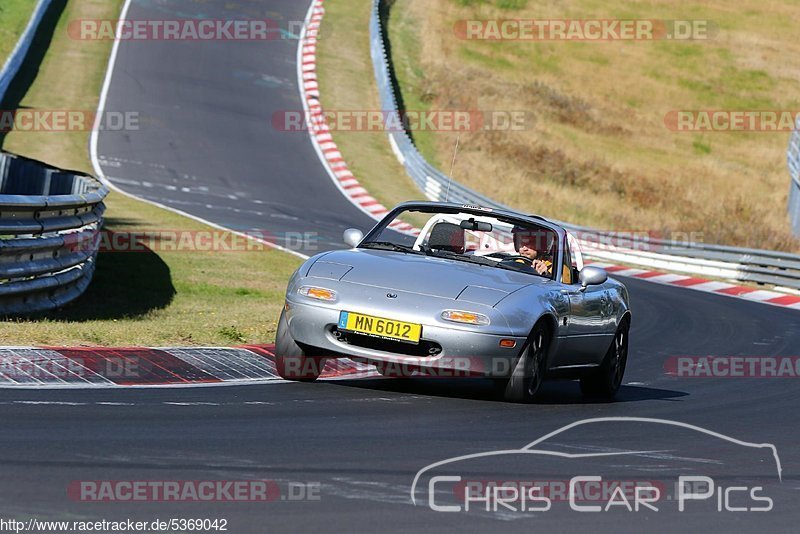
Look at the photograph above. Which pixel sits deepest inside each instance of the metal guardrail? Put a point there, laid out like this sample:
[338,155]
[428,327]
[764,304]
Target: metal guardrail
[14,61]
[49,226]
[793,160]
[49,218]
[734,263]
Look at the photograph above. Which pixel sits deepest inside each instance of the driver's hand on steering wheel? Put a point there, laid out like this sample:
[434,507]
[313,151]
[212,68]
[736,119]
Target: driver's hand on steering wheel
[540,267]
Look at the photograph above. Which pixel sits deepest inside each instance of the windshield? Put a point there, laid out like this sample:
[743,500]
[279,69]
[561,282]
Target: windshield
[489,240]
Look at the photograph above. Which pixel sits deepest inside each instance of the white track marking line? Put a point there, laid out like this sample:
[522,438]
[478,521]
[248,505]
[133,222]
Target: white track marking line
[192,404]
[57,403]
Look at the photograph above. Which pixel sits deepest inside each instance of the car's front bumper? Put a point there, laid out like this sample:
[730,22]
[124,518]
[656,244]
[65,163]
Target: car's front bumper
[463,353]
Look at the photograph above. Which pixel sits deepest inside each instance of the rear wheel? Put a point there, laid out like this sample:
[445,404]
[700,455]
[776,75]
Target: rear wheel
[527,376]
[607,379]
[291,361]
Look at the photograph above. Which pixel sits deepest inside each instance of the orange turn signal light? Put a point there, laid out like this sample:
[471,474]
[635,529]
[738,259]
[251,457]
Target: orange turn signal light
[319,293]
[458,316]
[508,343]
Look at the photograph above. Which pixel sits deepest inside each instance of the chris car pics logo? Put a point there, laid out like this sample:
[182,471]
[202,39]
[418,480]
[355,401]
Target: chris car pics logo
[449,486]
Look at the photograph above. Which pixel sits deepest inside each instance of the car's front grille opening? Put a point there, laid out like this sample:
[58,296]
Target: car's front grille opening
[423,349]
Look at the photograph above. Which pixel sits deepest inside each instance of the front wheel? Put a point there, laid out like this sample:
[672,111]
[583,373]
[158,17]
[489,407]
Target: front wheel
[291,361]
[607,379]
[527,376]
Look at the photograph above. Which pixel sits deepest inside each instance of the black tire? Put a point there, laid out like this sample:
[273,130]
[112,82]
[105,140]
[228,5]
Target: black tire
[607,379]
[291,361]
[528,373]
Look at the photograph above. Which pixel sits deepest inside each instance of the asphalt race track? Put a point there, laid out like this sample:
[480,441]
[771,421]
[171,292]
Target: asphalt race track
[207,147]
[206,144]
[364,440]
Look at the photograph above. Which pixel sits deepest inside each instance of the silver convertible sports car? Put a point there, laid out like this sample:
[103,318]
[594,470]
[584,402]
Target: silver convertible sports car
[451,290]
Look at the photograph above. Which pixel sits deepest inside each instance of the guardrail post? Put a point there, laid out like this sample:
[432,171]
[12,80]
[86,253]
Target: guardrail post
[793,160]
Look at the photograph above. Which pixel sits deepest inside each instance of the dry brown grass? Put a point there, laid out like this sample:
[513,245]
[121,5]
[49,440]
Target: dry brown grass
[598,152]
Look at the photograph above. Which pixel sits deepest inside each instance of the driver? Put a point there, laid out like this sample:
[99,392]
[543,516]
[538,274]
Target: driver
[532,245]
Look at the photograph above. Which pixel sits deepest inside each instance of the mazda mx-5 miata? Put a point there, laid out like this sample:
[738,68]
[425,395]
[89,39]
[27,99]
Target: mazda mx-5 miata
[452,290]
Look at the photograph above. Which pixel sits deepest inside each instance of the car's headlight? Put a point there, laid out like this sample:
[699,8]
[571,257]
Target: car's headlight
[457,316]
[319,293]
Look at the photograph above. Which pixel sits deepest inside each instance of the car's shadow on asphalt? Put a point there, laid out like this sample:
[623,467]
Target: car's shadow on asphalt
[561,392]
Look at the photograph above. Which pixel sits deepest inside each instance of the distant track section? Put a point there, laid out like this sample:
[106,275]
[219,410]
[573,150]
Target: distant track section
[206,145]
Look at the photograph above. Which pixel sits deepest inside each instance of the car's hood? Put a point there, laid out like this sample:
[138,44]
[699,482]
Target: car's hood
[423,274]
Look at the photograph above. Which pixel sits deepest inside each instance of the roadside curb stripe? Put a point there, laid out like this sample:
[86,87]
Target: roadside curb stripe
[81,368]
[326,148]
[351,188]
[764,296]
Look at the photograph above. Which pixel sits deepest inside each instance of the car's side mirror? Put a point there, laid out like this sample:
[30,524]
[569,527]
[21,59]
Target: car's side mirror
[353,236]
[592,276]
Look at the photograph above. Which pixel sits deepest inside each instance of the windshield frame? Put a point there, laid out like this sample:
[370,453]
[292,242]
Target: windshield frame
[453,209]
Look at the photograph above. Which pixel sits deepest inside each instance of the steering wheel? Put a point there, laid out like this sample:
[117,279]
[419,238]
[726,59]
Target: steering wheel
[500,255]
[515,258]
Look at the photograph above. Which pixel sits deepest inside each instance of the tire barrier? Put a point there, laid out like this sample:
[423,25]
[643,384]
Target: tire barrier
[49,226]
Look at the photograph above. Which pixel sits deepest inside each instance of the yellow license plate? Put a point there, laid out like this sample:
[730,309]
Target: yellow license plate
[379,327]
